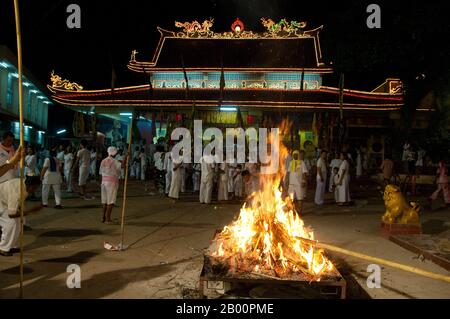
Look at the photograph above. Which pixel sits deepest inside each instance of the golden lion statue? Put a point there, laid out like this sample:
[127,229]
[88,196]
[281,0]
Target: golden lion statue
[397,209]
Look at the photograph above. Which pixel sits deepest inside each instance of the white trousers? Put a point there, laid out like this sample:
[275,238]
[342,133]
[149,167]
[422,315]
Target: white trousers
[10,232]
[223,189]
[68,179]
[168,182]
[320,192]
[196,181]
[297,192]
[46,191]
[175,185]
[343,191]
[206,188]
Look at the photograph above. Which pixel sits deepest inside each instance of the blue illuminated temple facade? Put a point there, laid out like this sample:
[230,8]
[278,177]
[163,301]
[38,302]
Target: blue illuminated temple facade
[236,80]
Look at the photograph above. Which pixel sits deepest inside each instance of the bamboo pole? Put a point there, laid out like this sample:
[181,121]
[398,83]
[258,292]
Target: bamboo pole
[124,200]
[22,160]
[378,260]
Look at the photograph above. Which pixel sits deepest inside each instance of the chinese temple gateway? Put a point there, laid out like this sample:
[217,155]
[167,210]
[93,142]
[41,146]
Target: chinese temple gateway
[242,77]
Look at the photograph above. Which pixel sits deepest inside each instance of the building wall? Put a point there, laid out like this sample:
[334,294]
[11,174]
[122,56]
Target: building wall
[35,105]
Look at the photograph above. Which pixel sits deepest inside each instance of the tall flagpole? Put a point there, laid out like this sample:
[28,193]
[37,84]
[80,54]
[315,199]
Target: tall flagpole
[22,191]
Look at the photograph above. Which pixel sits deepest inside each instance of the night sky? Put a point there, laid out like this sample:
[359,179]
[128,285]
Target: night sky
[414,35]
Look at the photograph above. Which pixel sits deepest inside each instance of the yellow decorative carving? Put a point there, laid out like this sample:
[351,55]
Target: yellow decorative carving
[194,28]
[59,83]
[397,209]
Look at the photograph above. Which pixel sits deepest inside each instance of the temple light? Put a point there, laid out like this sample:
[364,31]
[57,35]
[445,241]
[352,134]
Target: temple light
[125,114]
[33,91]
[15,75]
[27,84]
[4,65]
[41,132]
[61,131]
[228,109]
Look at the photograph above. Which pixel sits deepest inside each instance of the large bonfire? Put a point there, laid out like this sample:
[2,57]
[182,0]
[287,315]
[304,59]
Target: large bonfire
[269,238]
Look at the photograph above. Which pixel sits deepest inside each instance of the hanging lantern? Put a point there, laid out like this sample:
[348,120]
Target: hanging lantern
[250,119]
[179,117]
[237,26]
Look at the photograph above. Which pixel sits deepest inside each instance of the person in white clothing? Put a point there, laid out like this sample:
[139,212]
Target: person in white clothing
[110,169]
[30,162]
[207,179]
[60,157]
[135,165]
[335,163]
[321,178]
[196,171]
[298,174]
[143,163]
[237,182]
[83,161]
[51,178]
[358,163]
[121,158]
[168,167]
[10,212]
[223,182]
[175,183]
[343,184]
[68,163]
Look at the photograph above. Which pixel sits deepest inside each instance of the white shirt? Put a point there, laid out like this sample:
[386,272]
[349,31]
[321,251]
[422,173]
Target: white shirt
[335,163]
[168,164]
[68,161]
[322,166]
[30,162]
[110,167]
[159,164]
[49,176]
[60,156]
[207,168]
[85,157]
[296,177]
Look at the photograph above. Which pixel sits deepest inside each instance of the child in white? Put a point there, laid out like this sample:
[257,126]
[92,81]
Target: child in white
[110,172]
[223,182]
[51,177]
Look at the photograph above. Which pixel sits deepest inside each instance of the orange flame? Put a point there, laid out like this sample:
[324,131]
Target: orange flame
[267,237]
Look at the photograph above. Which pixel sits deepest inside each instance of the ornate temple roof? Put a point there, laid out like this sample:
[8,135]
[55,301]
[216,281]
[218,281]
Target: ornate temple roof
[325,98]
[285,46]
